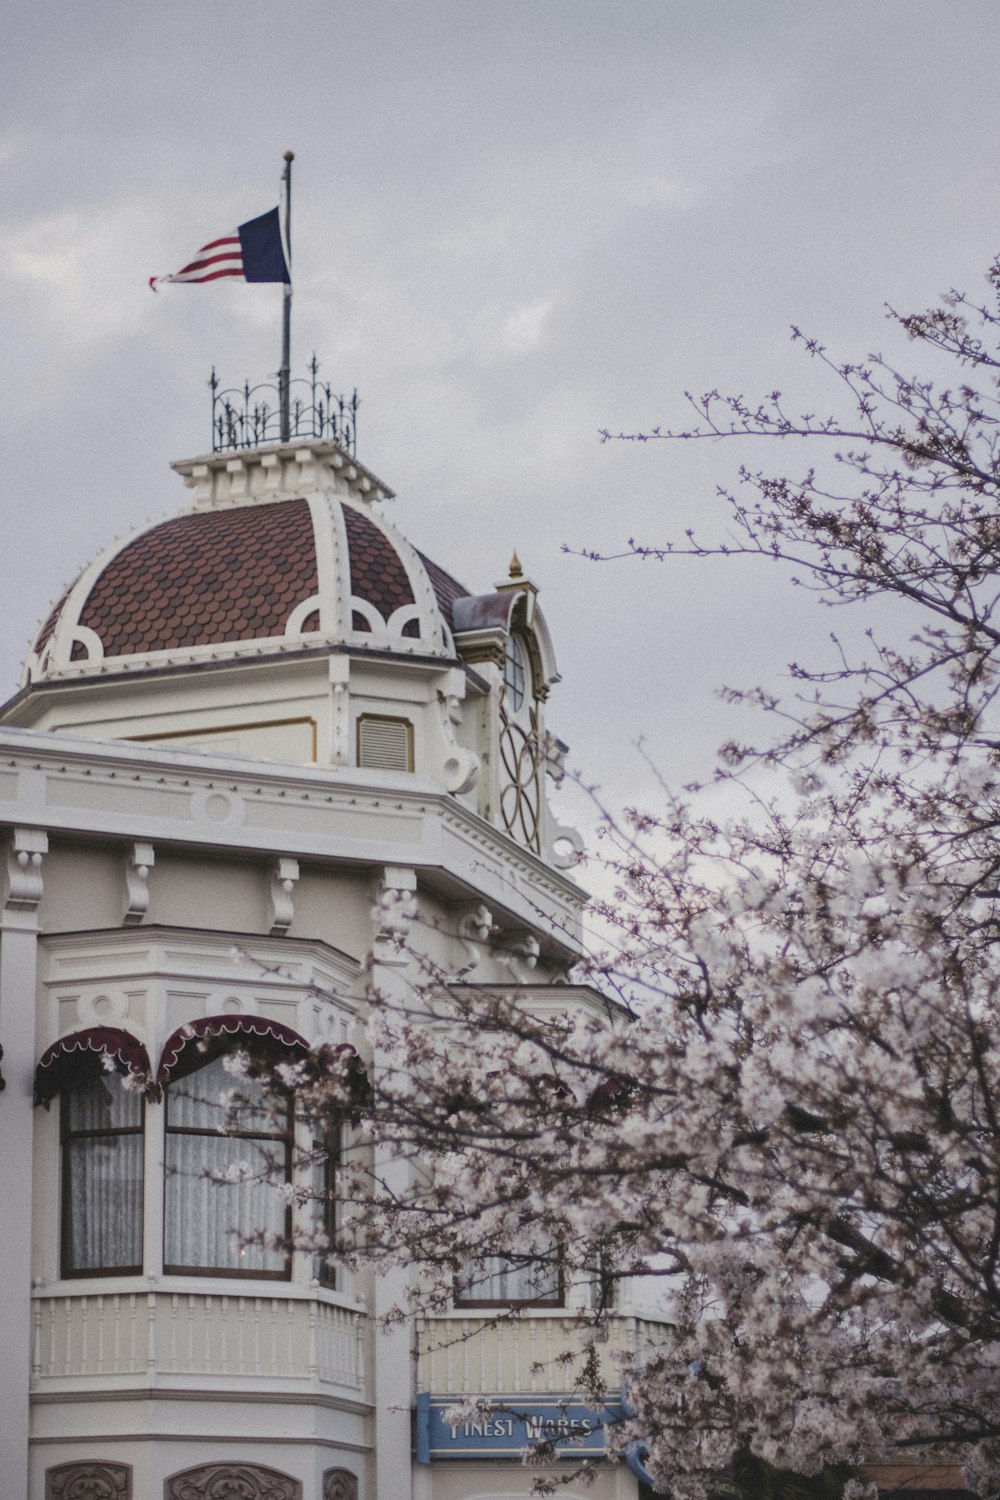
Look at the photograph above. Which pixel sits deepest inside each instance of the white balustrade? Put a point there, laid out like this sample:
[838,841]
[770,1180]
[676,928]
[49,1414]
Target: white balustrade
[529,1355]
[170,1336]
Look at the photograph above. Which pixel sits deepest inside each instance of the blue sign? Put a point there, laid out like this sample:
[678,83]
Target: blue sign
[509,1426]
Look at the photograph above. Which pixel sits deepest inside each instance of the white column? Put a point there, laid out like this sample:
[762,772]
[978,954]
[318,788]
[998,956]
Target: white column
[18,962]
[393,913]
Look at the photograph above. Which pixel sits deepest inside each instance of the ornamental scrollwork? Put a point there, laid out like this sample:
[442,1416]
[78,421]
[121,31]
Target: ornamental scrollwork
[233,1481]
[520,791]
[339,1484]
[89,1481]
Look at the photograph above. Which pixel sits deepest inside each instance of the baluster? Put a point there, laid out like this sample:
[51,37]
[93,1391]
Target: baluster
[36,1341]
[360,1325]
[313,1357]
[151,1336]
[273,1356]
[68,1310]
[116,1329]
[100,1335]
[224,1334]
[256,1335]
[132,1345]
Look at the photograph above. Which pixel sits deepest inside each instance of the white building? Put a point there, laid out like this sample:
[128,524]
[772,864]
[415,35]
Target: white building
[249,742]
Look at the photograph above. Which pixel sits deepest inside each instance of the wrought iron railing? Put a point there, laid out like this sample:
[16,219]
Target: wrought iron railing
[248,416]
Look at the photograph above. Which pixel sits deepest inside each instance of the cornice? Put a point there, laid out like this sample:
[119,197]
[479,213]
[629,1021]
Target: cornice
[116,790]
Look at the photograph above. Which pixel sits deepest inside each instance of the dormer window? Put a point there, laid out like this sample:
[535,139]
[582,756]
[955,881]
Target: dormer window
[514,673]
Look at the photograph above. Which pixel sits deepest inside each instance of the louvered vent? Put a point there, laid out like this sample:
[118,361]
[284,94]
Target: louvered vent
[385,744]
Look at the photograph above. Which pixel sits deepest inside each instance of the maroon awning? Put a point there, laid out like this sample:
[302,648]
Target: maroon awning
[201,1041]
[61,1062]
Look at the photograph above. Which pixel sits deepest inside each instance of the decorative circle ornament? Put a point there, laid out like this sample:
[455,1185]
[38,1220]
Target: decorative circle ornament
[520,793]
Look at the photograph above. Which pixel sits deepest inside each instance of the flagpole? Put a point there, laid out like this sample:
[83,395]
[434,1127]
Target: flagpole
[286,308]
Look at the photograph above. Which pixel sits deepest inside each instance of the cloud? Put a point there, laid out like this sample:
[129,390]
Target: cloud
[525,328]
[77,271]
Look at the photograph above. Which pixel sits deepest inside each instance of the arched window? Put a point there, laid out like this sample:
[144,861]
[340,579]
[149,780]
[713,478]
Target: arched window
[227,1165]
[101,1076]
[514,673]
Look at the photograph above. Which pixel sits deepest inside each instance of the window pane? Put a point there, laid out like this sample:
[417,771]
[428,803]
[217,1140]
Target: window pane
[199,1102]
[324,1206]
[103,1202]
[99,1101]
[207,1217]
[223,1175]
[511,1278]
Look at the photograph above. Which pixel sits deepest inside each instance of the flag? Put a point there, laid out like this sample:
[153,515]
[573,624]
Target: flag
[254,252]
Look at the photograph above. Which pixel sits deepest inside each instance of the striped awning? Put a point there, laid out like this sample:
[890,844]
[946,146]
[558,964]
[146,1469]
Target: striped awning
[103,1045]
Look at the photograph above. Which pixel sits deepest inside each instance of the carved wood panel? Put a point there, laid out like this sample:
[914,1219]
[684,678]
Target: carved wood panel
[89,1481]
[232,1481]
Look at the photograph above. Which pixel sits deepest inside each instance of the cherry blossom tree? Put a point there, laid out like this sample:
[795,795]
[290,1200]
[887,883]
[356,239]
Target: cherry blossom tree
[786,1107]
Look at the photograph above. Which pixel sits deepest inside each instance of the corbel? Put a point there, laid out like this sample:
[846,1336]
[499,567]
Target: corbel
[474,928]
[138,862]
[27,849]
[284,874]
[517,951]
[394,910]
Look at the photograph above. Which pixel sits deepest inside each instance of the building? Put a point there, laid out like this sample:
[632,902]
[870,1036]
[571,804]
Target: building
[254,742]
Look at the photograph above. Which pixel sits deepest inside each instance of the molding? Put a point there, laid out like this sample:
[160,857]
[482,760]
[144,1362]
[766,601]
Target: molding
[354,816]
[267,1397]
[226,728]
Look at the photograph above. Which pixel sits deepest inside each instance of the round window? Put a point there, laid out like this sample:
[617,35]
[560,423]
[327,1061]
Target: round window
[514,673]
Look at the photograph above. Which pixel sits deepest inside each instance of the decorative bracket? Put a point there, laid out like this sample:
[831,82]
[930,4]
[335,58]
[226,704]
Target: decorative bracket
[519,952]
[567,846]
[24,869]
[474,928]
[394,911]
[138,863]
[284,874]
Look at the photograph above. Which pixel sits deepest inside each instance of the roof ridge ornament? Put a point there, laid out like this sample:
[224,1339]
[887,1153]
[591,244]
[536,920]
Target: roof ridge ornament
[250,416]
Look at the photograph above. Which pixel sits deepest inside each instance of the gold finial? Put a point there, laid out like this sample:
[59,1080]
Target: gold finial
[289,155]
[516,570]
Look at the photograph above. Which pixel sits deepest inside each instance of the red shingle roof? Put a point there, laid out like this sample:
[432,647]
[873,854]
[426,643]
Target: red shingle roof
[232,575]
[377,573]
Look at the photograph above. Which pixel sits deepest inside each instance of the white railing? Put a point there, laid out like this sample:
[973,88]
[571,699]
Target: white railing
[158,1335]
[530,1354]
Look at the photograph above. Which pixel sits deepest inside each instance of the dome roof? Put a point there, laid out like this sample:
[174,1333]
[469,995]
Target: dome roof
[298,558]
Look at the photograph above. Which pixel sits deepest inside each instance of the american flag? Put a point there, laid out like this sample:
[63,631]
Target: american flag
[254,252]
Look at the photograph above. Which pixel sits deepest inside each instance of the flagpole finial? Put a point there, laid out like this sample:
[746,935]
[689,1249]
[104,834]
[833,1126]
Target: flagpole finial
[289,155]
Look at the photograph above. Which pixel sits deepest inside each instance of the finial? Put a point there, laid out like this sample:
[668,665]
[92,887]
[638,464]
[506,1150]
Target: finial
[289,155]
[516,571]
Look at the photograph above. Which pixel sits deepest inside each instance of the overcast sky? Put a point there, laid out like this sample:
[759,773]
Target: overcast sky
[514,224]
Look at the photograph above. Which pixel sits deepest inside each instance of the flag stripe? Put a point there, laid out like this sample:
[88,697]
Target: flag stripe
[232,256]
[253,252]
[209,276]
[227,239]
